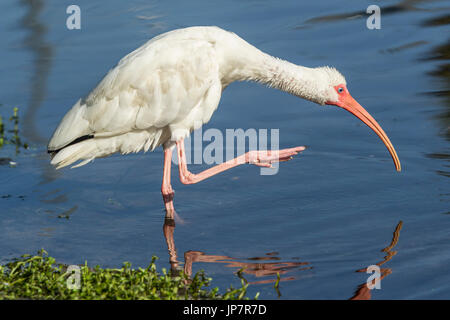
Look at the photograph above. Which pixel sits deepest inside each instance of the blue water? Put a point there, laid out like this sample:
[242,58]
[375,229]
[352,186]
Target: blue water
[325,215]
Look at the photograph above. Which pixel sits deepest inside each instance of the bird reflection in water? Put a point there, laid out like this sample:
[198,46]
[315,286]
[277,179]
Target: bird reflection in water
[265,266]
[363,292]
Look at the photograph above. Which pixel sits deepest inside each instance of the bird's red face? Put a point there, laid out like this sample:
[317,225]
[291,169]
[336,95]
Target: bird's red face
[346,101]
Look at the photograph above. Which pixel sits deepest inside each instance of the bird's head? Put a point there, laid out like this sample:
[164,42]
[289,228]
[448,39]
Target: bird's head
[334,91]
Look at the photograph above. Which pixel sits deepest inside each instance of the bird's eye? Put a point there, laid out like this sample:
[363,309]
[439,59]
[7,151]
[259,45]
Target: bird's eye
[340,90]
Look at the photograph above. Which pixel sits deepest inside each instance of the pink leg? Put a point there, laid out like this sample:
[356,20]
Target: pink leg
[260,158]
[166,187]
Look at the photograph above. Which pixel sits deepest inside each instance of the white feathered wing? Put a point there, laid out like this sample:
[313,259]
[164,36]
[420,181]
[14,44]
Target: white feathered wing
[155,95]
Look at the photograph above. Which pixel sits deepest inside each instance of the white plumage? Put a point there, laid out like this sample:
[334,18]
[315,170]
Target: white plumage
[159,93]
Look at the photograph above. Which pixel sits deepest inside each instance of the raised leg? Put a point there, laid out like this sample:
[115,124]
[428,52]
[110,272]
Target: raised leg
[166,187]
[260,158]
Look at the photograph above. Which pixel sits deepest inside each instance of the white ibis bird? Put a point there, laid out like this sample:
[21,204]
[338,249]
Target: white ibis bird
[159,93]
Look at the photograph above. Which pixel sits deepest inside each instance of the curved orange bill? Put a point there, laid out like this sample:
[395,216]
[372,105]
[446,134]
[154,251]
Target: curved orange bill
[351,105]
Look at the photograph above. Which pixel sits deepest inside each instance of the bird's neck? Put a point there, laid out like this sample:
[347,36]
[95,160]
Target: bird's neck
[297,80]
[252,64]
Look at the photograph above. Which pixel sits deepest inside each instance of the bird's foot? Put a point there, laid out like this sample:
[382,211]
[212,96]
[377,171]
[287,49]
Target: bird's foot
[265,158]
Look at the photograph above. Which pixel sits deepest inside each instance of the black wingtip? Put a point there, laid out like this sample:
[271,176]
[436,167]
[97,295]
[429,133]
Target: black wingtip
[77,140]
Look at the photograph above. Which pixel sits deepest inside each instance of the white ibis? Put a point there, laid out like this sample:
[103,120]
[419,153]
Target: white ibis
[159,93]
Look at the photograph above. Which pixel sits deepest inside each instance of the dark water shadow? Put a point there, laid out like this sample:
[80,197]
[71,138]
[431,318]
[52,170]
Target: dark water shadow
[402,6]
[42,61]
[441,54]
[43,54]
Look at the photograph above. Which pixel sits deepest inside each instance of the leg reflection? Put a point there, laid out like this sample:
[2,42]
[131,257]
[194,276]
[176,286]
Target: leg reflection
[168,230]
[268,265]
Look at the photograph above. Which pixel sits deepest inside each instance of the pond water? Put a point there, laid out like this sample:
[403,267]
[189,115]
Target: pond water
[328,214]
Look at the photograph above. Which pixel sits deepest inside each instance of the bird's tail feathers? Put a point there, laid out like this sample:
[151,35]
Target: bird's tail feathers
[85,150]
[88,150]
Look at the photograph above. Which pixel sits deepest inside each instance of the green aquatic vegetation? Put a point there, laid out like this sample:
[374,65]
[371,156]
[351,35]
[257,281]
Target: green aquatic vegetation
[40,277]
[11,136]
